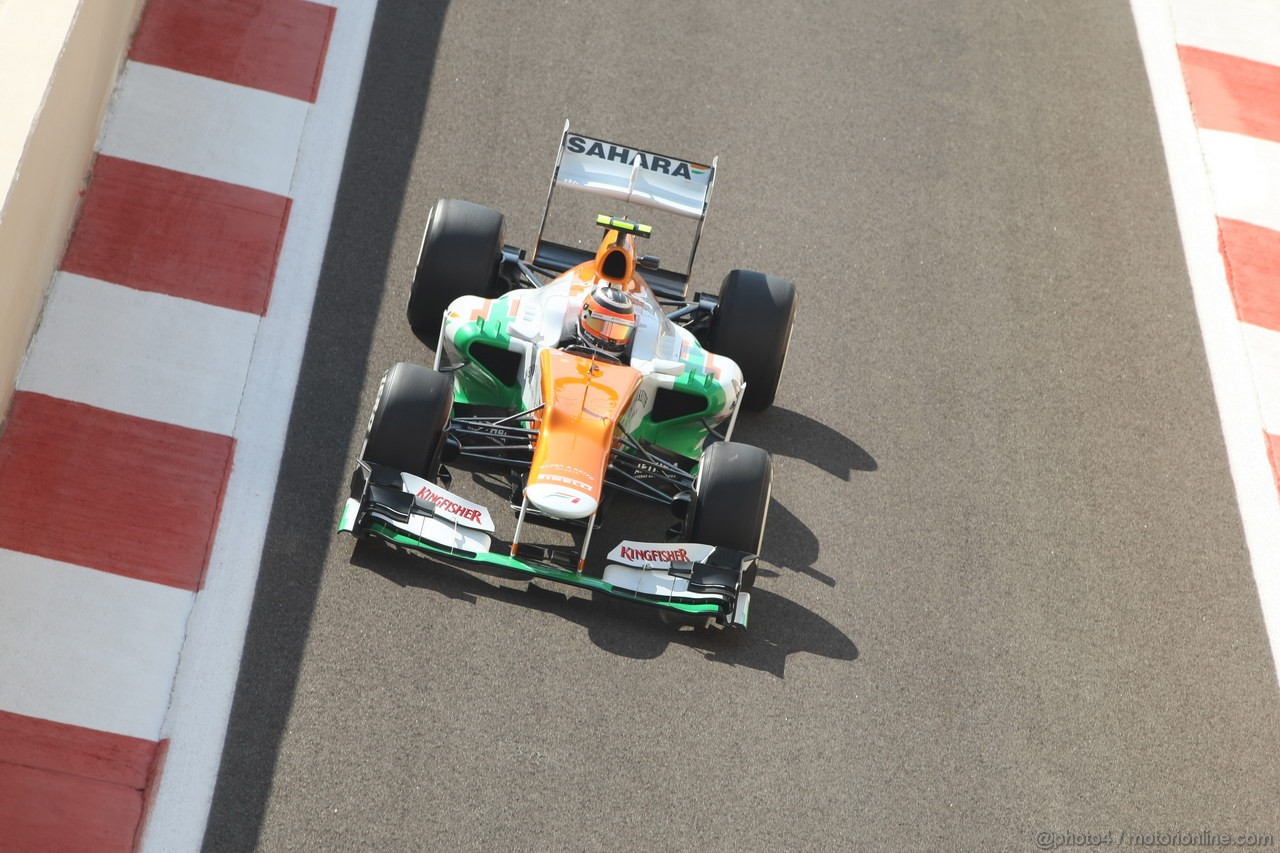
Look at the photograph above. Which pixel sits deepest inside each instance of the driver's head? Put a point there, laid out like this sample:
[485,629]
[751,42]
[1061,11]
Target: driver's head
[607,320]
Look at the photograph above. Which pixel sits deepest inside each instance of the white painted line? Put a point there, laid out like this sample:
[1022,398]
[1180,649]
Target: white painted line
[88,648]
[1229,365]
[1263,346]
[1247,28]
[205,687]
[205,127]
[143,354]
[1244,173]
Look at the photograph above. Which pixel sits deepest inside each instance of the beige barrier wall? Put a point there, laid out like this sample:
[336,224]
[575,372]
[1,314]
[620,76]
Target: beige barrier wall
[58,64]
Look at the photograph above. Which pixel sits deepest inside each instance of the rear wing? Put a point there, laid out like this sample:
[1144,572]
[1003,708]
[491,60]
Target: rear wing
[635,175]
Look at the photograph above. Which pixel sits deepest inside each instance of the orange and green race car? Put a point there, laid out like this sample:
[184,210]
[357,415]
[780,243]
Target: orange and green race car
[581,375]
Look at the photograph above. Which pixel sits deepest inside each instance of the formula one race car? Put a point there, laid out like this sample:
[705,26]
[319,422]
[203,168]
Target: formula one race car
[578,375]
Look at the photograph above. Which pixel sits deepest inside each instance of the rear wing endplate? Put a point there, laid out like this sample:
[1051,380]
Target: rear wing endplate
[634,175]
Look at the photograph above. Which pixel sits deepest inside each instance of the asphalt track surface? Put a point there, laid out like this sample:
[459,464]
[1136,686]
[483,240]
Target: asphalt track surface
[1007,588]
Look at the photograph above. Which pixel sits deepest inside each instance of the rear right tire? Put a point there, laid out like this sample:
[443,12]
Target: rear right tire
[460,254]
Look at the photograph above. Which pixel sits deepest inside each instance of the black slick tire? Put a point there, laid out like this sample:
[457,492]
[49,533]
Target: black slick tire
[460,253]
[753,326]
[407,426]
[731,503]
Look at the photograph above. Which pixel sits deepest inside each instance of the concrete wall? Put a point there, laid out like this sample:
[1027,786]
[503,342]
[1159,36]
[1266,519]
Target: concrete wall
[58,64]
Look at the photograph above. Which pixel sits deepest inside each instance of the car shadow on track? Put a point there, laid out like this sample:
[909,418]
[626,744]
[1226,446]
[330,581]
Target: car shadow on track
[789,543]
[783,432]
[779,627]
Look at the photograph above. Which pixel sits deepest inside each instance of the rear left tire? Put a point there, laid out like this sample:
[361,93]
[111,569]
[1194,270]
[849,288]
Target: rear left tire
[752,326]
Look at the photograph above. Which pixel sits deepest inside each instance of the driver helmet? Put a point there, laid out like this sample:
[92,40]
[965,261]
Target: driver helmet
[607,320]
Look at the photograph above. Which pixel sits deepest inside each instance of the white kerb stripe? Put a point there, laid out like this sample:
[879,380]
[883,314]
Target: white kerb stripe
[205,127]
[88,648]
[1245,28]
[1245,175]
[144,354]
[1263,346]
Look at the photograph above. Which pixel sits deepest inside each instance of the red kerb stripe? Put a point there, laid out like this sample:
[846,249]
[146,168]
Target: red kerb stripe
[69,788]
[1252,255]
[167,232]
[1273,450]
[61,748]
[275,45]
[109,491]
[1232,94]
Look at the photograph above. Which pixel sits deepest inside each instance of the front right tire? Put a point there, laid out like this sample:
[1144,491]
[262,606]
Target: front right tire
[406,429]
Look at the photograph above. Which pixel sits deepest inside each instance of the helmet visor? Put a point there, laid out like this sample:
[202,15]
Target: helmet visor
[608,328]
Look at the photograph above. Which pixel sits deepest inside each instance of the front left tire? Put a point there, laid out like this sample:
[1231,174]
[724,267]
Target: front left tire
[731,500]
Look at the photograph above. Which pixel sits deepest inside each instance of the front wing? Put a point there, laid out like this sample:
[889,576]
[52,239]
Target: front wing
[694,582]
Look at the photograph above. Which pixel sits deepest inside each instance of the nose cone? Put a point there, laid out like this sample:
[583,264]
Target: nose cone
[560,501]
